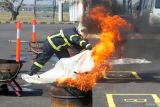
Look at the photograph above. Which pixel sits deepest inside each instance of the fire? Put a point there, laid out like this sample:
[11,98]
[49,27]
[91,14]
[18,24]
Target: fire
[102,51]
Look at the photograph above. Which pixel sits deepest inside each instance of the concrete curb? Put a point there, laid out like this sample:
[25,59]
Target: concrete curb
[14,22]
[4,22]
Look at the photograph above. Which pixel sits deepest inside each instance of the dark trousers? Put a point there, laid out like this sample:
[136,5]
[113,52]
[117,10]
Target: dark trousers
[46,54]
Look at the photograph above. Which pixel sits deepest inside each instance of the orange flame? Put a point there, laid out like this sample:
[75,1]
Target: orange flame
[102,51]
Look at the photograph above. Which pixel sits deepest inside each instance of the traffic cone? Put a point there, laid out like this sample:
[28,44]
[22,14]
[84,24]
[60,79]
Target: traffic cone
[34,31]
[18,42]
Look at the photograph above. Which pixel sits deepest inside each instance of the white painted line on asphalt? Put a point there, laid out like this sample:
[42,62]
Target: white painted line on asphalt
[27,89]
[157,77]
[122,61]
[27,84]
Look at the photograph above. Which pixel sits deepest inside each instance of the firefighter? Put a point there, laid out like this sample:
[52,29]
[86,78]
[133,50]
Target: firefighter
[58,43]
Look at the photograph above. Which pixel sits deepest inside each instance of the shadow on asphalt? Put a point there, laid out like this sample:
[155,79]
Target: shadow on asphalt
[35,92]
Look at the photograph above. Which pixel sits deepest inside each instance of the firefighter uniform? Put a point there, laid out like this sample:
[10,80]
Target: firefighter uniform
[57,44]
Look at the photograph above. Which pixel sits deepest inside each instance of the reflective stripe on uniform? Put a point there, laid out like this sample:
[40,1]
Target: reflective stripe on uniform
[57,48]
[52,44]
[65,39]
[81,42]
[87,45]
[72,37]
[37,64]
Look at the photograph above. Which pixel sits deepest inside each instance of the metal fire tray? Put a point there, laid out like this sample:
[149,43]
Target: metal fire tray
[9,70]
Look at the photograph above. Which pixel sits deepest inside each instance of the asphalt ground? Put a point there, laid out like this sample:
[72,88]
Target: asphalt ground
[131,85]
[125,85]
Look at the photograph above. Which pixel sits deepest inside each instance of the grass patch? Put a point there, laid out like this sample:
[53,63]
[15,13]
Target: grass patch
[28,17]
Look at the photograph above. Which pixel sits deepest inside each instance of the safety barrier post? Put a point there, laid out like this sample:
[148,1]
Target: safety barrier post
[18,42]
[34,31]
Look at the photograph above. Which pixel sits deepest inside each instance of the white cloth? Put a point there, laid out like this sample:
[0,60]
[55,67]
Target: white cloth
[64,68]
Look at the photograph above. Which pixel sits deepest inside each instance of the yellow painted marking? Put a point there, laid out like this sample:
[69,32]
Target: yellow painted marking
[156,99]
[110,100]
[134,73]
[111,103]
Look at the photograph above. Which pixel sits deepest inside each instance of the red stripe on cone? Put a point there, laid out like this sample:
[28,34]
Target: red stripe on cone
[34,21]
[18,25]
[18,45]
[34,38]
